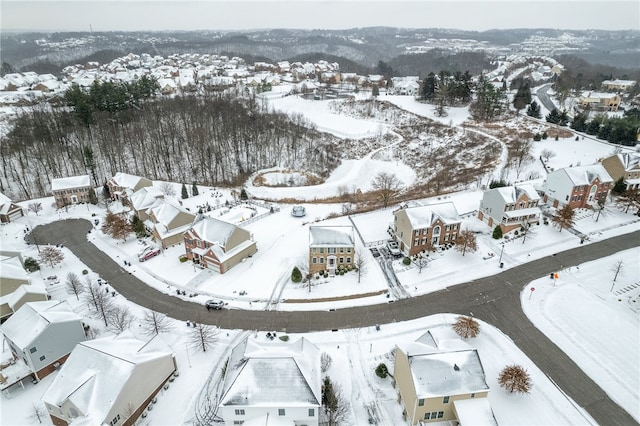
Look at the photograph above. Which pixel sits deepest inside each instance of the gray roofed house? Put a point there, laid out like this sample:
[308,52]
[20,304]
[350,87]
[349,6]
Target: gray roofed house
[276,381]
[510,207]
[419,228]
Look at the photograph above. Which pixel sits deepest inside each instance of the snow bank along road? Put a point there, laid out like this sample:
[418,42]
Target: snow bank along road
[494,299]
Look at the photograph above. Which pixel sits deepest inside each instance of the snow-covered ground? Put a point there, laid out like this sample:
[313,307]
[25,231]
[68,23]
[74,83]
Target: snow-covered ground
[283,243]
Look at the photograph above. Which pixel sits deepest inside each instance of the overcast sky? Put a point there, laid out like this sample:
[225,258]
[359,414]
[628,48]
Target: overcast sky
[82,15]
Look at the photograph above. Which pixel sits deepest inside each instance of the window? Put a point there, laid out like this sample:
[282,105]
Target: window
[348,249]
[341,259]
[314,260]
[473,395]
[417,232]
[331,250]
[434,414]
[33,349]
[436,230]
[446,237]
[421,403]
[313,250]
[440,414]
[281,411]
[322,260]
[42,358]
[312,412]
[415,242]
[348,260]
[239,412]
[427,416]
[341,250]
[238,422]
[445,400]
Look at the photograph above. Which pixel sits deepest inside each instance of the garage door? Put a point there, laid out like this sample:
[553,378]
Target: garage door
[15,215]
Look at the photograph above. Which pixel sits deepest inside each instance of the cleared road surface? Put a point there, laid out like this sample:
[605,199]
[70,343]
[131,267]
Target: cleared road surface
[494,299]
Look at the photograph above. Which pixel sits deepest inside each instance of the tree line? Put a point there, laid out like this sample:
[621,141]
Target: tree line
[214,140]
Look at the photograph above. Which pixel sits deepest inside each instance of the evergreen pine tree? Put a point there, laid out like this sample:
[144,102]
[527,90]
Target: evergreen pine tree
[619,187]
[533,110]
[185,194]
[497,232]
[106,192]
[194,189]
[296,275]
[243,195]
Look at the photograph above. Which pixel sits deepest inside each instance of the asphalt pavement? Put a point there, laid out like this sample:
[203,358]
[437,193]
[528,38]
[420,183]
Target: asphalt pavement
[494,299]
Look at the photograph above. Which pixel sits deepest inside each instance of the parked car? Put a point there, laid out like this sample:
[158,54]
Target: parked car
[214,304]
[374,252]
[148,254]
[394,249]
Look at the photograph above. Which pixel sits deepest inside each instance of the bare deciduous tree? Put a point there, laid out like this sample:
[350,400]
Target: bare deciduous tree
[387,185]
[421,261]
[466,327]
[35,207]
[167,189]
[563,218]
[519,154]
[361,263]
[547,154]
[600,209]
[515,378]
[325,362]
[74,285]
[38,413]
[99,300]
[527,230]
[51,255]
[203,337]
[617,269]
[120,318]
[154,323]
[466,241]
[630,197]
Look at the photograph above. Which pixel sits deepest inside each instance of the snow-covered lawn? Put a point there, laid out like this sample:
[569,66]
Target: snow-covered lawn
[595,321]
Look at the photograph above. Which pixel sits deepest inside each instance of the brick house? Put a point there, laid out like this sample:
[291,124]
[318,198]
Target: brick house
[418,228]
[218,245]
[578,187]
[624,165]
[599,101]
[330,247]
[510,207]
[71,190]
[9,210]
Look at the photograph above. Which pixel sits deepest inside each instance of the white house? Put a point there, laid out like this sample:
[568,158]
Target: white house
[510,207]
[110,380]
[275,383]
[43,334]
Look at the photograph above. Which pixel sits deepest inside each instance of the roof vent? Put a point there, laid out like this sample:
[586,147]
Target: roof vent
[455,367]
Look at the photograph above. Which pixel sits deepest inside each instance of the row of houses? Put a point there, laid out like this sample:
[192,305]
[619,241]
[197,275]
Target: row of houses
[114,379]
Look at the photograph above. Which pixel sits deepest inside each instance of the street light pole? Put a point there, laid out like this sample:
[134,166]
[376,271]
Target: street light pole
[501,251]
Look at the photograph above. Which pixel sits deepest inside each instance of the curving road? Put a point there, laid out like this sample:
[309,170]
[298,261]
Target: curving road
[494,299]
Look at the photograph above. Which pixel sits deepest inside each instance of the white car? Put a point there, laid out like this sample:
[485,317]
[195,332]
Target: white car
[394,249]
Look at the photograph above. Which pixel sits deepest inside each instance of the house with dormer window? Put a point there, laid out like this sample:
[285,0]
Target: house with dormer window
[510,207]
[418,227]
[579,187]
[625,165]
[123,185]
[330,247]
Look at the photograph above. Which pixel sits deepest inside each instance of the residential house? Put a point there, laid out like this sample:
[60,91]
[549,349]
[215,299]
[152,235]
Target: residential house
[435,375]
[272,383]
[71,190]
[110,380]
[510,207]
[123,185]
[420,228]
[405,85]
[169,222]
[599,101]
[624,165]
[15,288]
[143,199]
[578,187]
[331,247]
[218,245]
[9,210]
[43,334]
[618,85]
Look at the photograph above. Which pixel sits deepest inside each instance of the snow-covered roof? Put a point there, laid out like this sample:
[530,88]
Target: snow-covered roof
[286,374]
[425,216]
[126,180]
[164,212]
[510,194]
[522,212]
[145,197]
[22,291]
[476,411]
[70,182]
[13,270]
[213,230]
[96,372]
[33,318]
[585,175]
[447,373]
[334,236]
[629,160]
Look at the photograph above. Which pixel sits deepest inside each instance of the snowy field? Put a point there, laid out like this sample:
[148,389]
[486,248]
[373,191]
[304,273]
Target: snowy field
[283,243]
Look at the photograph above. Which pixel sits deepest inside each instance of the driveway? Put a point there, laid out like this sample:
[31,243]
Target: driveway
[494,299]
